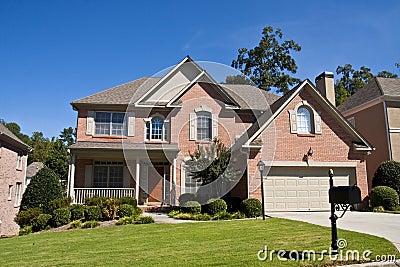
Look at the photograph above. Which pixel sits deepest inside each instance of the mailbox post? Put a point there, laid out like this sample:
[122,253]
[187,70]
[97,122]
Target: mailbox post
[333,218]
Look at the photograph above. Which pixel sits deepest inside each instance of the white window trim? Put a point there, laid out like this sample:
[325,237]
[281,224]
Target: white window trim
[124,124]
[193,124]
[183,179]
[10,189]
[108,165]
[316,122]
[165,132]
[19,161]
[17,198]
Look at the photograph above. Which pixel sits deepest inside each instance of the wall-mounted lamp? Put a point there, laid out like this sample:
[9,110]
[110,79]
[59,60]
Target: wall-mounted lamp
[310,152]
[308,155]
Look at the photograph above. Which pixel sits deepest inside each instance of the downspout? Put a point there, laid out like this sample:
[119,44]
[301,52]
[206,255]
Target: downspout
[387,130]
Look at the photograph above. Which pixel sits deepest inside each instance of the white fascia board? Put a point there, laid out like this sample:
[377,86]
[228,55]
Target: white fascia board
[311,163]
[169,104]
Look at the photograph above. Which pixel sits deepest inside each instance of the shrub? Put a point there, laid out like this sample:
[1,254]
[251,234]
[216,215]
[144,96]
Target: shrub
[125,210]
[238,215]
[222,215]
[384,196]
[125,220]
[215,206]
[93,213]
[186,216]
[59,203]
[41,222]
[75,224]
[43,188]
[172,213]
[61,216]
[388,174]
[251,207]
[110,208]
[137,212]
[90,224]
[128,200]
[186,198]
[192,207]
[202,217]
[145,220]
[378,209]
[26,230]
[95,201]
[27,217]
[77,212]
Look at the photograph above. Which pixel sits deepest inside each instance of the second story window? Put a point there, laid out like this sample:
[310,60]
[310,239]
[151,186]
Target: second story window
[109,123]
[156,129]
[303,120]
[19,162]
[203,126]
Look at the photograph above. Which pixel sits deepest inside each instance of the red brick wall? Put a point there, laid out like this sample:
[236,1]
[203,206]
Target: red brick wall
[9,175]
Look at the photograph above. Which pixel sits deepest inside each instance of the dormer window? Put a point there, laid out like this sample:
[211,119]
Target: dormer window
[156,128]
[304,119]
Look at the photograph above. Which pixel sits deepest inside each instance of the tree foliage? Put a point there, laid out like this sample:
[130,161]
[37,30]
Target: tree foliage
[43,188]
[68,136]
[270,64]
[352,80]
[238,79]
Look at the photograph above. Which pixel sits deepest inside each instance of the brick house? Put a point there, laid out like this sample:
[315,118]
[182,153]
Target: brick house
[134,139]
[375,112]
[13,160]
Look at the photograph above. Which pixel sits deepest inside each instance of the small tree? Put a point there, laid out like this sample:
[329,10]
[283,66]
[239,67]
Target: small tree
[43,188]
[388,174]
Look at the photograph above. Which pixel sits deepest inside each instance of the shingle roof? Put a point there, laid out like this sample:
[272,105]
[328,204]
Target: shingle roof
[377,87]
[33,168]
[247,96]
[5,133]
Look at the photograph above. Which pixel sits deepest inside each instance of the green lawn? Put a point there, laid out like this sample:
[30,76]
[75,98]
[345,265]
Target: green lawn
[222,243]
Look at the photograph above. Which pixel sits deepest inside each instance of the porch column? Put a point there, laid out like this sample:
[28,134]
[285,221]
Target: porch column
[173,182]
[137,179]
[71,177]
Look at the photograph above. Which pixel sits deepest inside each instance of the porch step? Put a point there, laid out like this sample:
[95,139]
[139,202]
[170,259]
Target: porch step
[155,208]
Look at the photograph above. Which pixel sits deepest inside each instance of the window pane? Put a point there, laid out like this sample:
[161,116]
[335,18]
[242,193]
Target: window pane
[203,128]
[100,176]
[156,129]
[116,176]
[102,122]
[303,120]
[118,123]
[191,185]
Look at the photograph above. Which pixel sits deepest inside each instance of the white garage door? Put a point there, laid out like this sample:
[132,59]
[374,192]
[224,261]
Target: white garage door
[301,189]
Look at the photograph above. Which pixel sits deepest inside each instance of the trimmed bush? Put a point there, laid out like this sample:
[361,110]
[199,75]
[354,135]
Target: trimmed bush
[202,217]
[192,207]
[77,212]
[125,221]
[90,224]
[93,213]
[384,196]
[41,222]
[128,200]
[125,210]
[222,215]
[26,230]
[388,174]
[27,217]
[378,209]
[145,220]
[251,207]
[238,215]
[59,203]
[215,206]
[43,188]
[75,224]
[61,216]
[95,201]
[110,208]
[185,216]
[186,198]
[137,212]
[172,213]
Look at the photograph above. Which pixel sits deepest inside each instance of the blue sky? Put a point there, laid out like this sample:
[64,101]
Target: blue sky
[53,52]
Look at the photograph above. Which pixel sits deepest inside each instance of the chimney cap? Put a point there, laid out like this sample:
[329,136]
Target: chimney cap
[325,74]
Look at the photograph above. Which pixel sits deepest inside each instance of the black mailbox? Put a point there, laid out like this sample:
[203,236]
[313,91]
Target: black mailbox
[345,195]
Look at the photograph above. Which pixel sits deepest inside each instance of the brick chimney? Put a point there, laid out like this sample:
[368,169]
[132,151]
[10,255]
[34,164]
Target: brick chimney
[326,86]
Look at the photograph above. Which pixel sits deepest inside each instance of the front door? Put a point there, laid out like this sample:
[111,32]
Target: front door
[158,184]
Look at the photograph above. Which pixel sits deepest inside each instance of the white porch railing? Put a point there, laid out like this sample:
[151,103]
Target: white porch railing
[82,193]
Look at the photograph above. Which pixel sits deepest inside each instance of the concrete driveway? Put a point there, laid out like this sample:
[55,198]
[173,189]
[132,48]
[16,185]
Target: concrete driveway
[378,224]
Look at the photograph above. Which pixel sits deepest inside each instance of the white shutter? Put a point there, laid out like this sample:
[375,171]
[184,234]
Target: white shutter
[214,123]
[90,123]
[193,126]
[166,130]
[131,123]
[88,176]
[317,123]
[126,182]
[183,178]
[293,121]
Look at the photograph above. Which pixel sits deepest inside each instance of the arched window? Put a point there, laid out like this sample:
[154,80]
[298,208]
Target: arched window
[304,120]
[156,129]
[203,126]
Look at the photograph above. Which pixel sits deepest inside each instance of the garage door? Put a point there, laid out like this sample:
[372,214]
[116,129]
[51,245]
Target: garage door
[302,189]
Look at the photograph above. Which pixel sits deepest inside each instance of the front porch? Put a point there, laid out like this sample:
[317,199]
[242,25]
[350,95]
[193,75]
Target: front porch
[80,194]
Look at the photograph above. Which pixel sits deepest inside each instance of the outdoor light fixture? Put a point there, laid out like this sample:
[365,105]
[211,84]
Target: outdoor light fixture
[261,167]
[310,152]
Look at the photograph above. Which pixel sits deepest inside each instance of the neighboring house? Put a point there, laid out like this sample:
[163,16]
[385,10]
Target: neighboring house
[133,139]
[375,112]
[13,161]
[32,170]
